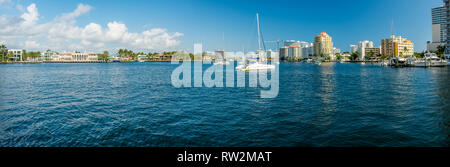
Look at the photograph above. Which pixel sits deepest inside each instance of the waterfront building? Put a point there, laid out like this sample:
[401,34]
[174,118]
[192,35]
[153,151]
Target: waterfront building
[76,56]
[284,53]
[353,48]
[447,24]
[397,46]
[372,52]
[362,49]
[17,54]
[439,24]
[142,57]
[323,45]
[295,52]
[48,55]
[439,30]
[271,53]
[308,51]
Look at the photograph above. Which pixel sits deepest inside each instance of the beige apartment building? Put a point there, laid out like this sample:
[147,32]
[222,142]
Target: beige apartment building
[373,52]
[397,46]
[323,44]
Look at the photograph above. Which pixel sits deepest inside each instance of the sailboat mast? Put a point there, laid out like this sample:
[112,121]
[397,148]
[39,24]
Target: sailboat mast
[259,33]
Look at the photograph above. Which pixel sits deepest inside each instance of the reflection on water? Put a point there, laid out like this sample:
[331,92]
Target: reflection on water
[134,104]
[327,86]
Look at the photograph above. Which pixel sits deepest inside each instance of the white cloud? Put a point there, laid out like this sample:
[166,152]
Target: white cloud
[31,17]
[62,33]
[81,9]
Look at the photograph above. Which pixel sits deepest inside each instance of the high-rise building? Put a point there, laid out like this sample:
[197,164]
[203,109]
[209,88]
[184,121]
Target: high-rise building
[353,48]
[439,24]
[284,53]
[295,52]
[308,51]
[439,30]
[323,45]
[447,40]
[372,52]
[397,46]
[361,49]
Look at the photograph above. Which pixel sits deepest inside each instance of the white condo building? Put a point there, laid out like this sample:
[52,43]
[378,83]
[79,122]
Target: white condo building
[17,54]
[297,50]
[353,48]
[362,48]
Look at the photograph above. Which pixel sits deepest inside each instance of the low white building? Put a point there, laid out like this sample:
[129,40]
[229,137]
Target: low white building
[142,57]
[75,56]
[17,54]
[48,55]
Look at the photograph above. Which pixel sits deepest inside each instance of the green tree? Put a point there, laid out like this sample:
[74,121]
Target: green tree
[338,57]
[104,56]
[440,51]
[9,56]
[354,55]
[370,55]
[3,53]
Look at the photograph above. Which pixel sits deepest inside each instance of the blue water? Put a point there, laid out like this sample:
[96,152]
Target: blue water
[134,104]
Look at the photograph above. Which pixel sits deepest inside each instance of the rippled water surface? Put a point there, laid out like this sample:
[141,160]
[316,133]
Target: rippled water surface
[134,104]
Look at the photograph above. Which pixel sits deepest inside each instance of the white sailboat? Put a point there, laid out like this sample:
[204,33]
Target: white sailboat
[257,65]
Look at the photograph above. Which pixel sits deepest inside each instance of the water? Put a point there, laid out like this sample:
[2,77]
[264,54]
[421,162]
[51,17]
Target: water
[134,104]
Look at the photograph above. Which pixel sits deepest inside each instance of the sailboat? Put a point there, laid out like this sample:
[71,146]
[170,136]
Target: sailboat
[257,65]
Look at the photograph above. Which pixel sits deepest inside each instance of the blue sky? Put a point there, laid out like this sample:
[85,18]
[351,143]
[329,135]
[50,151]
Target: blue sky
[181,23]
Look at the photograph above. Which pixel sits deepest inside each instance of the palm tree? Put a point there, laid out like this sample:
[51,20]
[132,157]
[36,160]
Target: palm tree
[369,55]
[105,55]
[3,50]
[24,55]
[405,49]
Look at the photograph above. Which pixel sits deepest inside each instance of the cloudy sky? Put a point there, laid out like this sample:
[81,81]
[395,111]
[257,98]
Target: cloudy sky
[158,25]
[27,29]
